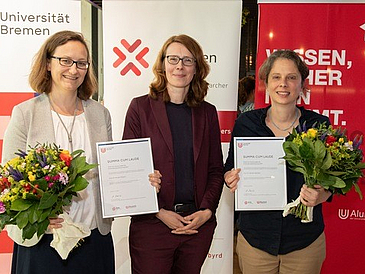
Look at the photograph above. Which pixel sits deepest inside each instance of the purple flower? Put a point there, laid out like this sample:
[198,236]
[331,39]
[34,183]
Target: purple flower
[323,136]
[21,153]
[47,178]
[304,126]
[50,185]
[2,208]
[357,141]
[42,159]
[16,174]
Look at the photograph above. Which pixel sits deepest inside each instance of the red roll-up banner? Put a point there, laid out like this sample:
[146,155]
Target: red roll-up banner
[330,37]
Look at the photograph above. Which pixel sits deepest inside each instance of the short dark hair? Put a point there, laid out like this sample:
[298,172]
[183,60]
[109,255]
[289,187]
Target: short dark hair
[198,86]
[40,78]
[266,67]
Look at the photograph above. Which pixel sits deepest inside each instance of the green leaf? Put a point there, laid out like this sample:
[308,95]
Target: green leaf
[80,183]
[299,169]
[44,214]
[80,166]
[33,216]
[22,219]
[29,231]
[20,205]
[338,182]
[42,227]
[77,153]
[42,183]
[360,165]
[295,162]
[291,148]
[319,151]
[358,190]
[327,162]
[31,196]
[306,149]
[4,220]
[336,173]
[328,181]
[47,200]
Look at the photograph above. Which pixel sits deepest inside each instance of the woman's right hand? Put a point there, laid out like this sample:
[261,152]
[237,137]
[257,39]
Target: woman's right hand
[174,220]
[231,178]
[55,223]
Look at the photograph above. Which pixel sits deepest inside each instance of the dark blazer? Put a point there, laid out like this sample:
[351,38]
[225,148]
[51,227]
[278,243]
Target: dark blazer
[147,117]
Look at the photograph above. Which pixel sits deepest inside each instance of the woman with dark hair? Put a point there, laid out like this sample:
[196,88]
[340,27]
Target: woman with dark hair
[186,149]
[267,242]
[246,94]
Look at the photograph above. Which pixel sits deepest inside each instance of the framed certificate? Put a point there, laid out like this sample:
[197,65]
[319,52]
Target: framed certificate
[123,169]
[262,184]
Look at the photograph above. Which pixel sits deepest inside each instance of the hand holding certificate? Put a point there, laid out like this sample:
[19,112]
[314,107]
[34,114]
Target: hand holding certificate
[262,184]
[124,167]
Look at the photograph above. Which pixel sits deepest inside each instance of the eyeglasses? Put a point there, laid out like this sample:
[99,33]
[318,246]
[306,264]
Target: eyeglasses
[174,60]
[67,62]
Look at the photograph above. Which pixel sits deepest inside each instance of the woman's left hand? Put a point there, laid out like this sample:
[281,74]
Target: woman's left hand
[197,219]
[313,196]
[155,180]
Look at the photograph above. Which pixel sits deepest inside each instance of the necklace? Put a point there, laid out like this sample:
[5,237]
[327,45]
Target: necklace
[69,133]
[291,125]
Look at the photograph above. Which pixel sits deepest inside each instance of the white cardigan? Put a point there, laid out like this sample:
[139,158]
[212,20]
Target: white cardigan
[31,123]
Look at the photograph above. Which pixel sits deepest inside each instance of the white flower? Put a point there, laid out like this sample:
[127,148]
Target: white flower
[349,146]
[63,178]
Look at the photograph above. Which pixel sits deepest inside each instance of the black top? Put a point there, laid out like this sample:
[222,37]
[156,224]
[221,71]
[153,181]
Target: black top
[268,230]
[179,116]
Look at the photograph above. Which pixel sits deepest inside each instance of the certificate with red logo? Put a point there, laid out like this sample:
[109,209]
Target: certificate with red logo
[262,184]
[123,169]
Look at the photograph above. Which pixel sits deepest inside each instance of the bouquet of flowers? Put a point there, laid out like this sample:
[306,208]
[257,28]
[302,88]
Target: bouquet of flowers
[37,184]
[326,157]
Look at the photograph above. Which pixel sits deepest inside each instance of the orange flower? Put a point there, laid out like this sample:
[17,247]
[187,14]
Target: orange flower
[66,157]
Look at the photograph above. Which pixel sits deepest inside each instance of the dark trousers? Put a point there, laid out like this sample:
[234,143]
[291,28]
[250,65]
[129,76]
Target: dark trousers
[155,250]
[95,255]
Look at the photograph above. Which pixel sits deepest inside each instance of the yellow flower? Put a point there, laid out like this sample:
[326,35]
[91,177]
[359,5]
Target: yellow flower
[31,177]
[13,162]
[341,140]
[312,133]
[15,190]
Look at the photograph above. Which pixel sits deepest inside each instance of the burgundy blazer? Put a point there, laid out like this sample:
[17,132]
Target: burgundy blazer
[147,117]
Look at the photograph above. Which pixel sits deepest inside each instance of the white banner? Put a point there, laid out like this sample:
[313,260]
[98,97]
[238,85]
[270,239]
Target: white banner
[134,32]
[24,26]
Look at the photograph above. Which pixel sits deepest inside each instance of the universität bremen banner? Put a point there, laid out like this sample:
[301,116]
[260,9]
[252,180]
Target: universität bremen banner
[330,37]
[24,26]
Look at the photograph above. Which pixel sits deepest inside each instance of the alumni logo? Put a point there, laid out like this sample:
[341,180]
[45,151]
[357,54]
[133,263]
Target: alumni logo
[347,214]
[131,53]
[343,213]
